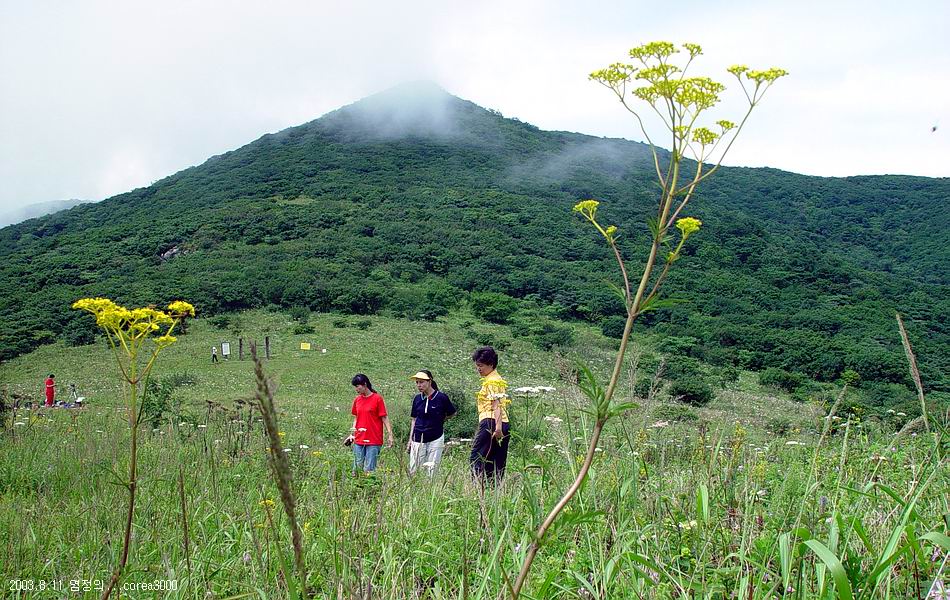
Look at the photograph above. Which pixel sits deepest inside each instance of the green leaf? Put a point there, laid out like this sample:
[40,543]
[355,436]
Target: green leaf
[842,585]
[937,538]
[592,389]
[619,409]
[785,558]
[702,503]
[656,303]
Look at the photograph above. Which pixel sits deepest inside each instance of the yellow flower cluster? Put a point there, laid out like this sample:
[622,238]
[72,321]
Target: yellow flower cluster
[759,77]
[688,226]
[129,327]
[588,208]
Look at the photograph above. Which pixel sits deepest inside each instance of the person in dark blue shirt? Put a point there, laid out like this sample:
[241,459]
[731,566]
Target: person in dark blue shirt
[430,408]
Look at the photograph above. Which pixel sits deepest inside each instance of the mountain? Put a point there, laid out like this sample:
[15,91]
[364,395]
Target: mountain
[38,209]
[409,200]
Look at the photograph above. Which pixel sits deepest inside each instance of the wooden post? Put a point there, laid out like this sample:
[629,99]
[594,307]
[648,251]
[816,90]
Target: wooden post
[240,348]
[267,346]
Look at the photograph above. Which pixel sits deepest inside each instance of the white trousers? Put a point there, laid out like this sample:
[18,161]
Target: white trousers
[426,455]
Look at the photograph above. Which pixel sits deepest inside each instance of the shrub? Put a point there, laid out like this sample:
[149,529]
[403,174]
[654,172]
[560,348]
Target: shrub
[359,300]
[543,332]
[727,375]
[419,303]
[778,425]
[181,378]
[679,345]
[683,367]
[465,421]
[675,412]
[220,321]
[302,329]
[493,307]
[641,389]
[488,336]
[613,326]
[301,314]
[781,379]
[363,324]
[694,391]
[340,323]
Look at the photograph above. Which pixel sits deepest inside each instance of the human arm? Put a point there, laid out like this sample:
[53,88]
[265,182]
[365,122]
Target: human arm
[389,431]
[412,428]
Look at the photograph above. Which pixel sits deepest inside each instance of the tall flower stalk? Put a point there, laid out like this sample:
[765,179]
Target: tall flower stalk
[678,101]
[136,337]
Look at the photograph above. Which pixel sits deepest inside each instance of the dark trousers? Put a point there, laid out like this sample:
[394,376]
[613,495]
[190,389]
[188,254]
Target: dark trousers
[489,455]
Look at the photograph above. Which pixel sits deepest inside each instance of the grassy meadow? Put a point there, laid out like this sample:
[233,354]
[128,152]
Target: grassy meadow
[743,498]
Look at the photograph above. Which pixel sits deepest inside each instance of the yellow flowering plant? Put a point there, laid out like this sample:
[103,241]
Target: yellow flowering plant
[136,338]
[680,100]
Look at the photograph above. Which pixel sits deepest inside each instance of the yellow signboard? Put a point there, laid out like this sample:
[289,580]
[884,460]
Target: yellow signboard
[304,345]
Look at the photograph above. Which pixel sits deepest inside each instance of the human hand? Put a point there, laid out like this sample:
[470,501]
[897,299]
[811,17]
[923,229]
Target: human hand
[497,434]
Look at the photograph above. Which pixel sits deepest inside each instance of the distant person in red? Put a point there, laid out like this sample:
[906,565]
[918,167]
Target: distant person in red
[50,390]
[369,418]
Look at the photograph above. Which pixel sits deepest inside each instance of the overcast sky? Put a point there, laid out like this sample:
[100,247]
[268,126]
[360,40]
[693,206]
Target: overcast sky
[99,97]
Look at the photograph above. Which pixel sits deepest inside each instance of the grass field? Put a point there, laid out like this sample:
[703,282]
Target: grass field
[708,503]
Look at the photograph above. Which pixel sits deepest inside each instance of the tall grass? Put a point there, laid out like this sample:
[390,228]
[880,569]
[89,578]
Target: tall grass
[718,508]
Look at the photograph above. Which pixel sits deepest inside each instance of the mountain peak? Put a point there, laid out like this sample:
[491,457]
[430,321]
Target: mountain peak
[411,109]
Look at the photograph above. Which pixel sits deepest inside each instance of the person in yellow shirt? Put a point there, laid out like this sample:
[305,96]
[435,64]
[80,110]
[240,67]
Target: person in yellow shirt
[490,445]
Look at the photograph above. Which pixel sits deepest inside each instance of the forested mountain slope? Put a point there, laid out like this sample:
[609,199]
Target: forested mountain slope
[408,200]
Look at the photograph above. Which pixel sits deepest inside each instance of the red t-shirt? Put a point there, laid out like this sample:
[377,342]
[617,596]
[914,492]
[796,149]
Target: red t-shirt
[369,412]
[50,390]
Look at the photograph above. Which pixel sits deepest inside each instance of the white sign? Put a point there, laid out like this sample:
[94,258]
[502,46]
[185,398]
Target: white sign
[225,349]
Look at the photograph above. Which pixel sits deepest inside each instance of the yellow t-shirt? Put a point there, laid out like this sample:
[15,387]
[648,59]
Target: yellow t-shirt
[493,388]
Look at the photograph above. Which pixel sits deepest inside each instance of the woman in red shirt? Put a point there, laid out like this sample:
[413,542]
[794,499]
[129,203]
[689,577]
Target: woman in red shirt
[50,390]
[369,417]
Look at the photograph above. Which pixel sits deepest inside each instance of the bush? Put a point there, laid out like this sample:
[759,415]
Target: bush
[359,301]
[613,326]
[363,324]
[419,303]
[781,379]
[679,345]
[778,425]
[493,307]
[487,336]
[543,332]
[695,391]
[465,421]
[181,379]
[302,329]
[641,389]
[220,321]
[726,376]
[682,368]
[340,323]
[301,314]
[675,412]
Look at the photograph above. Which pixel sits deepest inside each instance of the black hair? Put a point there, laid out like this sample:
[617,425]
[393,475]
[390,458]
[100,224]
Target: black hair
[435,385]
[486,356]
[360,379]
[51,376]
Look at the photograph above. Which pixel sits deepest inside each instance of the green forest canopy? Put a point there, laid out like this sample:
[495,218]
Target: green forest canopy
[410,200]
